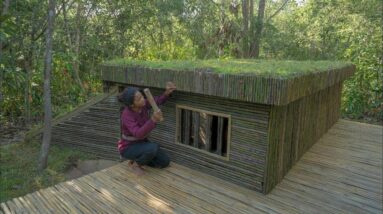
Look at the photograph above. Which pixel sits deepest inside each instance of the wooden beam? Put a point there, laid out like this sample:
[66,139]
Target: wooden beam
[219,135]
[208,133]
[195,129]
[186,126]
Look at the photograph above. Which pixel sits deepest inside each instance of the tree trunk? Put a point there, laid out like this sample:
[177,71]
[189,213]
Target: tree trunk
[47,91]
[28,63]
[221,32]
[66,24]
[258,29]
[3,13]
[252,27]
[76,65]
[28,66]
[5,7]
[251,16]
[77,40]
[245,35]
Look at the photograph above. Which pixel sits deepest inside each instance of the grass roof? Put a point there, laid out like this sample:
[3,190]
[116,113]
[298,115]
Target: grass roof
[272,68]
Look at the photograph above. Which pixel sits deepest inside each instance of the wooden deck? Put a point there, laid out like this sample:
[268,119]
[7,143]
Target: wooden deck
[341,173]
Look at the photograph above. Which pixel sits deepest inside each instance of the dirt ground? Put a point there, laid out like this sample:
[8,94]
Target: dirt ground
[88,166]
[10,135]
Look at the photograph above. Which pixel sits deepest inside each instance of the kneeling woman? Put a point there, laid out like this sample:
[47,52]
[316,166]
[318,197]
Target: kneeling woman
[136,126]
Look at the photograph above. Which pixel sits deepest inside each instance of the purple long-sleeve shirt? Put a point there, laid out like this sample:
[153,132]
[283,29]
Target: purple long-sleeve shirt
[137,124]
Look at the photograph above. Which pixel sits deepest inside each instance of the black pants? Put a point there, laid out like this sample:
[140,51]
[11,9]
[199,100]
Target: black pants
[147,153]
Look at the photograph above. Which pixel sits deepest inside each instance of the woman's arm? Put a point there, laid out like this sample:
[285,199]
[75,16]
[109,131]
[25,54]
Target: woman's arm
[137,131]
[170,87]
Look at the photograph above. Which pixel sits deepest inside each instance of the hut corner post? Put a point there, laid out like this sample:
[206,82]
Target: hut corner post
[276,132]
[295,127]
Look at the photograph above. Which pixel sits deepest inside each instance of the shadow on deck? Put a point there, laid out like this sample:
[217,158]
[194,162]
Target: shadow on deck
[341,173]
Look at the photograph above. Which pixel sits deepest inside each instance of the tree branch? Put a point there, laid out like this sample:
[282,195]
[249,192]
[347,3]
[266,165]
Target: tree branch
[5,7]
[44,28]
[276,12]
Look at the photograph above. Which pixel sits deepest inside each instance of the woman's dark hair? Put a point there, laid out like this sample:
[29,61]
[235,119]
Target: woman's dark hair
[127,96]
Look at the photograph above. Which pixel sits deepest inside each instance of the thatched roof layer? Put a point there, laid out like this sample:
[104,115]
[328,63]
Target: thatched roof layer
[260,81]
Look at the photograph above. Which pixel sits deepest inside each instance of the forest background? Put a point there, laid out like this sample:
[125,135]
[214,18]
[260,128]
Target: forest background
[88,32]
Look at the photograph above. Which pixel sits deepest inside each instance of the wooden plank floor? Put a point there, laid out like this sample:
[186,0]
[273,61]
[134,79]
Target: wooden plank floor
[341,173]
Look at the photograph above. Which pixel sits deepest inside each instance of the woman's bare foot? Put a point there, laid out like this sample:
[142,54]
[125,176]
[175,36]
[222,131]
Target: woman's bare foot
[130,163]
[137,169]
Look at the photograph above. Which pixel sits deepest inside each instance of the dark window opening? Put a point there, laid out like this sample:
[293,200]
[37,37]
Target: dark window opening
[204,131]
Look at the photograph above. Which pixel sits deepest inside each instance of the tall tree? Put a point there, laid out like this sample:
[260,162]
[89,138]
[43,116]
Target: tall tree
[3,13]
[245,22]
[28,65]
[254,49]
[47,90]
[76,64]
[252,26]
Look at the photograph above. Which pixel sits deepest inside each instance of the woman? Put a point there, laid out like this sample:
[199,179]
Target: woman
[135,127]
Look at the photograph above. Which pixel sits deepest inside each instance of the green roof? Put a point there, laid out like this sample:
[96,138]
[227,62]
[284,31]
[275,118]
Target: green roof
[271,68]
[260,81]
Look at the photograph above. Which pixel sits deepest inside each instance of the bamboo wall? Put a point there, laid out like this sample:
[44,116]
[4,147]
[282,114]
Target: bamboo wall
[248,143]
[95,130]
[295,127]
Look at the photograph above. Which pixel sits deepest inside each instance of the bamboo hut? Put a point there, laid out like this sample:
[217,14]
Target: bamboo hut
[245,121]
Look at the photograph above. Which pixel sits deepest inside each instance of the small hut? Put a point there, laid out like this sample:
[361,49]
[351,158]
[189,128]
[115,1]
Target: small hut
[246,121]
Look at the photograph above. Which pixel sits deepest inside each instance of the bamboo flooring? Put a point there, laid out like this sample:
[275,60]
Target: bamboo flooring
[341,173]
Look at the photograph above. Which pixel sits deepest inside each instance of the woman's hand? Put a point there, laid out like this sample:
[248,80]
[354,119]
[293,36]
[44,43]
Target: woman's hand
[157,116]
[170,87]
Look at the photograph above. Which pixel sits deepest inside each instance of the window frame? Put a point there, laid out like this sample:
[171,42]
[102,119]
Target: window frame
[179,109]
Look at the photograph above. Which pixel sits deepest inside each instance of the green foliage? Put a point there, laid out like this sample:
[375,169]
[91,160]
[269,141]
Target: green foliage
[341,30]
[20,48]
[66,93]
[18,166]
[274,68]
[11,88]
[363,93]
